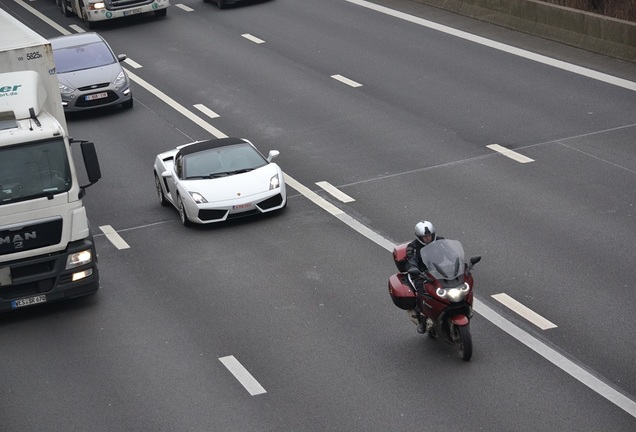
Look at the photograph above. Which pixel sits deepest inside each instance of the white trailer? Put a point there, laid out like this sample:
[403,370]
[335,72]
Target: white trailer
[47,251]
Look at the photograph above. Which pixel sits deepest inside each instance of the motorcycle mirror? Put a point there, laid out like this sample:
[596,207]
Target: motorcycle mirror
[474,260]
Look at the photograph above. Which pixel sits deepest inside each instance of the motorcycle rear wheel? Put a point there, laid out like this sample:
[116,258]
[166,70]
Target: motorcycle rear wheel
[464,342]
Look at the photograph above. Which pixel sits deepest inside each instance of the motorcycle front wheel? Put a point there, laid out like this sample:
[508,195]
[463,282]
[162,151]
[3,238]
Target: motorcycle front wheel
[464,342]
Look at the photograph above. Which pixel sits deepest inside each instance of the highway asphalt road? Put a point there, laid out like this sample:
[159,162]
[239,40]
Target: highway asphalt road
[284,323]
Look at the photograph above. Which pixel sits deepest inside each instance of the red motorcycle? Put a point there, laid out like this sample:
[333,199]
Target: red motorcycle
[447,300]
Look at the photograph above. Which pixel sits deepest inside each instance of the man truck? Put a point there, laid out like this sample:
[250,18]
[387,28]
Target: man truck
[47,251]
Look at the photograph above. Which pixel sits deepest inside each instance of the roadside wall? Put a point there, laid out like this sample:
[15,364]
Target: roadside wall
[592,32]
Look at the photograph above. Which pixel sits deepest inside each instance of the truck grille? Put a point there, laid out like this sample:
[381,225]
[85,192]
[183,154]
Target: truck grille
[20,238]
[121,4]
[30,278]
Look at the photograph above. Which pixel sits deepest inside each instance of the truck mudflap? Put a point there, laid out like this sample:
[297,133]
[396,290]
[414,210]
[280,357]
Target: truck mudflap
[45,279]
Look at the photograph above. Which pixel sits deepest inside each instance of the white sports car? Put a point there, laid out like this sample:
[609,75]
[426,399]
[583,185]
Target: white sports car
[219,179]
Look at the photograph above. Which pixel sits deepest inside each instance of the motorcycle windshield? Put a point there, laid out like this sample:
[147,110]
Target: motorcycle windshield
[444,259]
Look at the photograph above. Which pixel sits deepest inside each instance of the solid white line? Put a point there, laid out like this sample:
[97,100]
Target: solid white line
[114,238]
[568,366]
[630,85]
[177,106]
[132,63]
[524,311]
[205,110]
[346,80]
[77,28]
[253,38]
[184,7]
[242,375]
[335,192]
[509,153]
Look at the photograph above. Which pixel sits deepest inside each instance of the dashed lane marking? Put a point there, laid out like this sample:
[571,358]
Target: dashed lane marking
[114,238]
[509,153]
[253,38]
[335,192]
[524,311]
[242,375]
[346,81]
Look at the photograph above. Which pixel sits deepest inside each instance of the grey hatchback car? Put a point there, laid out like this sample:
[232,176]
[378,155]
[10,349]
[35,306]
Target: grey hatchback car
[89,74]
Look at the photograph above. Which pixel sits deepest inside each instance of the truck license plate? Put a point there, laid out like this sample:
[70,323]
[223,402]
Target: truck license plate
[132,12]
[28,301]
[96,96]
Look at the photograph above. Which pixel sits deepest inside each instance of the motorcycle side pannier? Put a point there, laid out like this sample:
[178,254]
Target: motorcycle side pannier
[400,291]
[399,257]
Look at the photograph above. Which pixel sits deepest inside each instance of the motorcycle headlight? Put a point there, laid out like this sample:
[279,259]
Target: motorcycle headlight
[120,80]
[274,182]
[65,90]
[198,198]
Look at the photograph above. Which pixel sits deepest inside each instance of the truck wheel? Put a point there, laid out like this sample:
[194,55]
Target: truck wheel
[62,5]
[161,12]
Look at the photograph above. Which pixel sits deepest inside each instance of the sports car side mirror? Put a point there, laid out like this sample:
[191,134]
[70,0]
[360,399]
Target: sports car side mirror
[474,260]
[166,174]
[272,155]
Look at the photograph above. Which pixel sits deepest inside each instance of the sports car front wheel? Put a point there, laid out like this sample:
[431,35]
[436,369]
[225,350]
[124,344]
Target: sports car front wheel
[162,197]
[182,212]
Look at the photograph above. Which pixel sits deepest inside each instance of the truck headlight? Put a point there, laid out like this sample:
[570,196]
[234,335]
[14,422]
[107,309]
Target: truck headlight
[79,259]
[96,6]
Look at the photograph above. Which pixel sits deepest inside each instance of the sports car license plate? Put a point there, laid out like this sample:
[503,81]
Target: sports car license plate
[132,12]
[96,96]
[28,301]
[246,206]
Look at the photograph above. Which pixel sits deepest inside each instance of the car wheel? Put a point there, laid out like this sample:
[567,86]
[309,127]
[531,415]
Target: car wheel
[182,212]
[128,104]
[161,12]
[162,197]
[221,4]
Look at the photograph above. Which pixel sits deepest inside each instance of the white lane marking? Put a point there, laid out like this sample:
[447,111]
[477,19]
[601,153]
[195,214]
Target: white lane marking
[43,17]
[346,81]
[77,28]
[184,7]
[177,106]
[510,153]
[132,63]
[253,38]
[630,85]
[565,364]
[524,311]
[242,375]
[335,192]
[205,110]
[114,238]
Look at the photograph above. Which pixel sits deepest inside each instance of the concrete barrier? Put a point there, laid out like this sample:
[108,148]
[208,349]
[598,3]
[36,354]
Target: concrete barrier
[592,32]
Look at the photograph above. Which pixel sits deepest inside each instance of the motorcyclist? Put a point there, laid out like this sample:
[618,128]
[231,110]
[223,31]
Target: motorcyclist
[424,234]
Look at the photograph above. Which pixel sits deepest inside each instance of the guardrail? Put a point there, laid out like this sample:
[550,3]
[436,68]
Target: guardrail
[592,32]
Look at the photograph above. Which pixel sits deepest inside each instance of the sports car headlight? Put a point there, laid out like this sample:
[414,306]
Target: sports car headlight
[198,198]
[274,182]
[65,90]
[120,80]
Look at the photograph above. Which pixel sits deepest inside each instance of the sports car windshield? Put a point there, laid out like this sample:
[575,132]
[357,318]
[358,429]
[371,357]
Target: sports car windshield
[82,57]
[444,258]
[222,161]
[34,170]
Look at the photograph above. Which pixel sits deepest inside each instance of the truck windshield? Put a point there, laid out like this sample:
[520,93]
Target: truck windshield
[33,170]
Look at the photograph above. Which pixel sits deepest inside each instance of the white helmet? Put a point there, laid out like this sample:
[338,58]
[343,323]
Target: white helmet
[424,228]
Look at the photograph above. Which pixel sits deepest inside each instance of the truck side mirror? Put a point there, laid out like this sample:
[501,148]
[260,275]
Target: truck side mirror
[90,162]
